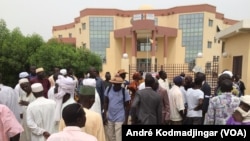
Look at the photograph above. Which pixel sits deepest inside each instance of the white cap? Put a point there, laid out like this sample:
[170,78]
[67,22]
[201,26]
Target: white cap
[23,74]
[89,82]
[23,80]
[63,71]
[36,87]
[229,73]
[245,99]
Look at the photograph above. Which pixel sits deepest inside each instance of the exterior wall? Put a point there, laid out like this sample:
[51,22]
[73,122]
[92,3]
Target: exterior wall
[239,45]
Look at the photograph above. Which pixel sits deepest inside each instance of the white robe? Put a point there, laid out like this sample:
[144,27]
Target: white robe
[66,85]
[97,104]
[9,98]
[25,136]
[40,118]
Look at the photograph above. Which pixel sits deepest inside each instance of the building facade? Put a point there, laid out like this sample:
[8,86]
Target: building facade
[148,38]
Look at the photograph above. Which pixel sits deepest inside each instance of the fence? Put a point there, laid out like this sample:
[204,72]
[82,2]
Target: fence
[173,70]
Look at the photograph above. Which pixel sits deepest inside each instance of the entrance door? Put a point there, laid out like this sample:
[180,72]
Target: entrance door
[237,65]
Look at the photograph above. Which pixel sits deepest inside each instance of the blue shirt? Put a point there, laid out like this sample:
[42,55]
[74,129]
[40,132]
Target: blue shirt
[116,111]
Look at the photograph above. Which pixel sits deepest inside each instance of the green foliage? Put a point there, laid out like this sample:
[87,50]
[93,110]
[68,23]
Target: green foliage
[18,52]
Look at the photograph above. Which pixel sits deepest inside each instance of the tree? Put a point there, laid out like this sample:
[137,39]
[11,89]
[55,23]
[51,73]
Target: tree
[64,55]
[18,52]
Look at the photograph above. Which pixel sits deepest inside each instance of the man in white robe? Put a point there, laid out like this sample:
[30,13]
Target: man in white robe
[9,98]
[97,104]
[24,101]
[64,84]
[40,115]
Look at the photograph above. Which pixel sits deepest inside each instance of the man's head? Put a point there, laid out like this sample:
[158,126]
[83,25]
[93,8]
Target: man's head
[40,73]
[92,72]
[162,74]
[117,81]
[86,96]
[122,73]
[156,84]
[201,75]
[25,85]
[33,70]
[178,80]
[149,80]
[37,89]
[226,85]
[23,75]
[74,115]
[107,76]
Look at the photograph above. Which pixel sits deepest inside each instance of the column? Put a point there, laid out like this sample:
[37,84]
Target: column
[165,49]
[133,49]
[153,50]
[124,45]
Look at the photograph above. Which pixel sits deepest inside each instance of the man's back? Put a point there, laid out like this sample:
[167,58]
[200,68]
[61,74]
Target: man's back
[40,117]
[149,107]
[71,133]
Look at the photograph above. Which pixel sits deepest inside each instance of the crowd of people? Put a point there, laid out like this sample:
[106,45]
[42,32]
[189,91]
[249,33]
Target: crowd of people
[63,107]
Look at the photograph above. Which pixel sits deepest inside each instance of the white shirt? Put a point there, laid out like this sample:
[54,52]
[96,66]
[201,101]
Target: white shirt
[40,117]
[164,84]
[141,86]
[193,96]
[175,103]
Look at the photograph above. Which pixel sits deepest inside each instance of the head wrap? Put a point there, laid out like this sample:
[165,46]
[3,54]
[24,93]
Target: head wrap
[63,71]
[229,73]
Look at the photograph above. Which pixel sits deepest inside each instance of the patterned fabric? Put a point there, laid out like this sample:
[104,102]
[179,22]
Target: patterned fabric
[221,108]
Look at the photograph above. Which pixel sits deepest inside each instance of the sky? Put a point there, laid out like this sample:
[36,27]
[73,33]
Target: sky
[39,16]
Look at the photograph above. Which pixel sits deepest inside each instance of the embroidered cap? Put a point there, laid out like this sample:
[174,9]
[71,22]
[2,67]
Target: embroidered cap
[36,87]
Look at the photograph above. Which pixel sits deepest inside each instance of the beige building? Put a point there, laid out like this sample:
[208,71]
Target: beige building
[147,39]
[236,50]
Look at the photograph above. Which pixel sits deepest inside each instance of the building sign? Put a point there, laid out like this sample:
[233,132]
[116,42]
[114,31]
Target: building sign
[150,16]
[137,17]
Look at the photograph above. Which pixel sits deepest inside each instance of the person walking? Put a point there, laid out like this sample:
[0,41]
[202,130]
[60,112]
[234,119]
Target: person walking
[116,109]
[142,112]
[40,114]
[94,124]
[10,127]
[24,101]
[75,118]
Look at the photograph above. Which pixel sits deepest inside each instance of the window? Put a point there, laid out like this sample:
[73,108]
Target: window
[70,35]
[143,45]
[59,36]
[209,44]
[192,34]
[210,23]
[83,26]
[80,31]
[84,45]
[99,31]
[223,47]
